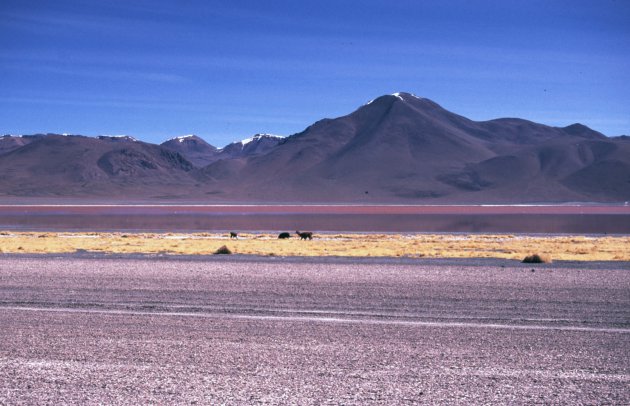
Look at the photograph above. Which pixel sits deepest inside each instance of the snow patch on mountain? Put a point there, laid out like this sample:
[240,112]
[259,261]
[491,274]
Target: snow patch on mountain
[181,138]
[398,95]
[258,137]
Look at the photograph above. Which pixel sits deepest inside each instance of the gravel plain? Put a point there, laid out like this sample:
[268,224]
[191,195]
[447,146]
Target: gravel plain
[248,330]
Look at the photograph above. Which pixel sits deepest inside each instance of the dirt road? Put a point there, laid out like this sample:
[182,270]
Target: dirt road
[311,331]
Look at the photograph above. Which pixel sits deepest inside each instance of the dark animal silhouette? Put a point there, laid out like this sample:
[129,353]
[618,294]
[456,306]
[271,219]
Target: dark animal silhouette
[284,236]
[304,235]
[233,234]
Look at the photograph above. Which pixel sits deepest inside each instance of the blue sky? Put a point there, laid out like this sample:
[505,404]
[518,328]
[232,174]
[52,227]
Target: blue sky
[225,70]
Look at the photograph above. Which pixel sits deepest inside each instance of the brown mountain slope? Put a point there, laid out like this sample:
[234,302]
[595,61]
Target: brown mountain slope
[396,149]
[401,148]
[57,165]
[201,154]
[10,143]
[258,144]
[384,145]
[193,148]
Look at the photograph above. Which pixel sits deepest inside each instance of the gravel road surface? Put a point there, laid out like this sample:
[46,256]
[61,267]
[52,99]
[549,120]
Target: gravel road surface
[143,330]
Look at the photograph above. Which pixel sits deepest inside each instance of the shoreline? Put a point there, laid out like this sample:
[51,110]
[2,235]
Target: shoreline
[474,219]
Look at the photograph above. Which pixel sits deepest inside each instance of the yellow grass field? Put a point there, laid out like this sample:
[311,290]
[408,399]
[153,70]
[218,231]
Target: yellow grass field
[582,248]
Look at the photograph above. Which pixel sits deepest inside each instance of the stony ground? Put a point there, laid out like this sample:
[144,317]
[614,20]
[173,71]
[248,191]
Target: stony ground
[247,330]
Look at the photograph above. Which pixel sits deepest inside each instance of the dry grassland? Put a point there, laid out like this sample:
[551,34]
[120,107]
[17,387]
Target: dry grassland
[584,248]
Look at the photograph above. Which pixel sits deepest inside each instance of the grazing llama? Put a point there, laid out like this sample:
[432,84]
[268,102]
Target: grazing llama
[305,235]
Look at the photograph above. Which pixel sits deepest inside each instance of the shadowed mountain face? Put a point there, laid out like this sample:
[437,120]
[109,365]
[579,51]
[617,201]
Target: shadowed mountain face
[193,148]
[396,149]
[200,153]
[9,143]
[56,165]
[401,148]
[259,144]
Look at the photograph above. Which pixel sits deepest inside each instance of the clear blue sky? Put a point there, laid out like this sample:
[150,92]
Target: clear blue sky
[225,70]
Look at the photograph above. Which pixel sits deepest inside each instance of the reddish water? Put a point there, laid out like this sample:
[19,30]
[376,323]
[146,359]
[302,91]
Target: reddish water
[509,219]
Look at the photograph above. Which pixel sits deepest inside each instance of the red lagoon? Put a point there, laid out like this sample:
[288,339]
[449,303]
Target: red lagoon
[324,218]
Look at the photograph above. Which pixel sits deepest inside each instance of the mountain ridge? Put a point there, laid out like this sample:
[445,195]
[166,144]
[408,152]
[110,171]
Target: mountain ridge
[397,148]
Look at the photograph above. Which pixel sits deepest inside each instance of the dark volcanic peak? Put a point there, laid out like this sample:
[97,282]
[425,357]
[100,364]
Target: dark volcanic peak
[580,130]
[189,142]
[404,96]
[418,103]
[185,139]
[254,145]
[404,148]
[193,148]
[260,137]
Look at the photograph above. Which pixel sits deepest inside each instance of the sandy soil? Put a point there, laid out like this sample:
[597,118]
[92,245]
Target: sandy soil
[507,246]
[244,330]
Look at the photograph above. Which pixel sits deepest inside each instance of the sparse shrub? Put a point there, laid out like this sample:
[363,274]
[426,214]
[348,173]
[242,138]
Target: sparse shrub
[223,250]
[537,259]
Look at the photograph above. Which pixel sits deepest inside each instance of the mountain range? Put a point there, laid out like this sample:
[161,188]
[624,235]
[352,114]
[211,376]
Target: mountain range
[398,148]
